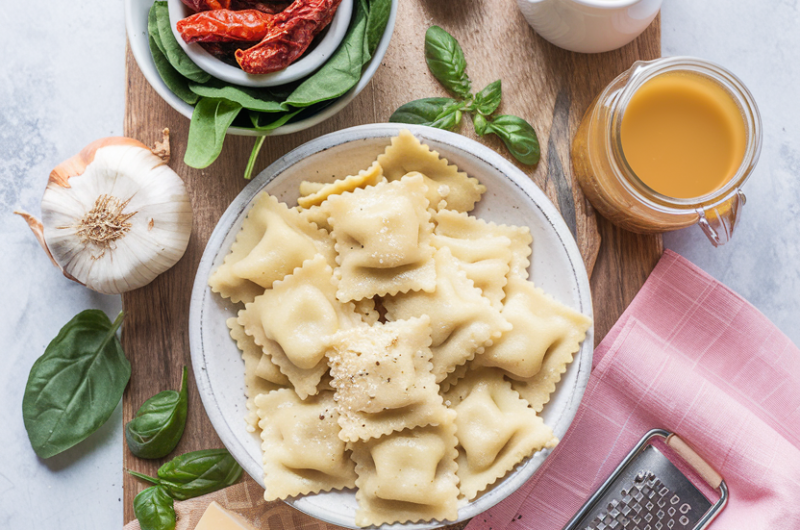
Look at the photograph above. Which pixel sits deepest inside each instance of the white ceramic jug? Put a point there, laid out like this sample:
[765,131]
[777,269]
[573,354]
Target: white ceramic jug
[589,26]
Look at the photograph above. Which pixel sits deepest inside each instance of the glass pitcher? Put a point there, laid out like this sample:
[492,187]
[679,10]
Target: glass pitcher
[619,195]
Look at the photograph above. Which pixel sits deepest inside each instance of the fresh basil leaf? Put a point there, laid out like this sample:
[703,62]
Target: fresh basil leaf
[172,50]
[154,509]
[421,111]
[248,98]
[379,11]
[341,72]
[446,61]
[519,137]
[480,124]
[158,425]
[210,121]
[198,473]
[74,387]
[178,84]
[488,99]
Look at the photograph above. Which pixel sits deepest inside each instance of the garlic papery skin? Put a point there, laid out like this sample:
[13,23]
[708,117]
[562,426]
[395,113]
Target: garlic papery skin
[115,216]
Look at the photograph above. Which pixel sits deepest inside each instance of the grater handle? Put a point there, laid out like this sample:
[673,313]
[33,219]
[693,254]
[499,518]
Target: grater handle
[702,467]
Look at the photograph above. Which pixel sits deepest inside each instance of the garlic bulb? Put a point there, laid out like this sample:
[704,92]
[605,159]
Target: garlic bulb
[114,216]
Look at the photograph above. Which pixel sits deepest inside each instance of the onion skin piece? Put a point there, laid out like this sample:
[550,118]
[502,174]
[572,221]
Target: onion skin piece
[38,232]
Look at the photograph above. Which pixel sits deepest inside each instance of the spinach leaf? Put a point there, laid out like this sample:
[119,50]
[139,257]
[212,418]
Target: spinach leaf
[210,121]
[488,99]
[256,118]
[178,84]
[446,61]
[154,509]
[518,135]
[76,384]
[379,11]
[158,425]
[152,29]
[172,50]
[341,72]
[248,98]
[442,113]
[198,473]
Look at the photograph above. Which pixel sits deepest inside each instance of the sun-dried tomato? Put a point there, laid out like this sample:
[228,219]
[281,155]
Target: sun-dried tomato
[293,30]
[224,51]
[265,6]
[224,25]
[207,5]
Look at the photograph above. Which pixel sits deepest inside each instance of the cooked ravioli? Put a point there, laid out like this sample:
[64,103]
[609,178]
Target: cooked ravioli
[463,321]
[273,241]
[495,428]
[302,450]
[407,476]
[443,180]
[383,239]
[293,321]
[383,380]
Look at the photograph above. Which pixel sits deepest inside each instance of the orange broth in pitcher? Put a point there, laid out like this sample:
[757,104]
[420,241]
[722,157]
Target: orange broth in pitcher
[683,135]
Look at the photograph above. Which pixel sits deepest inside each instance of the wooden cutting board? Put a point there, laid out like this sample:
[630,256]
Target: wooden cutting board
[547,86]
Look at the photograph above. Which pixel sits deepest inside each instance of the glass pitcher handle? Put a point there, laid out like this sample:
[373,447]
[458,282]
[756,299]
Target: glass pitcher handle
[719,221]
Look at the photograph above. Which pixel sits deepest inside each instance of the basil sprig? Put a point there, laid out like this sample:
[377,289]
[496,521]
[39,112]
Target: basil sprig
[74,387]
[446,62]
[158,425]
[155,509]
[196,473]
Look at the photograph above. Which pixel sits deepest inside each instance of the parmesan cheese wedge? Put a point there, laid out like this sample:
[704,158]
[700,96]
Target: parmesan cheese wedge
[218,518]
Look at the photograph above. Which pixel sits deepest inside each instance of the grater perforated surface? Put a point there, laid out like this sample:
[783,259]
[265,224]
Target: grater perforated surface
[650,494]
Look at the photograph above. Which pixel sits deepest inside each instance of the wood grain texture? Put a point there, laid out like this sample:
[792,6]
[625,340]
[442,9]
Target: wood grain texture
[547,86]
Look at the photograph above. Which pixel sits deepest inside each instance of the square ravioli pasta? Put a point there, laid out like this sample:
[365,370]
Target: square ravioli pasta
[273,241]
[537,351]
[293,321]
[463,322]
[383,380]
[383,239]
[495,429]
[302,452]
[446,185]
[407,476]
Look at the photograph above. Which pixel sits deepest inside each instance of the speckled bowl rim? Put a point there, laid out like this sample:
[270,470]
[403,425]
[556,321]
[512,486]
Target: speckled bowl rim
[136,26]
[573,381]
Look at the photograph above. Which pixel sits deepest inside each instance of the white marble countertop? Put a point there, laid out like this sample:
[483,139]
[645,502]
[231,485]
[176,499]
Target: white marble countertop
[62,85]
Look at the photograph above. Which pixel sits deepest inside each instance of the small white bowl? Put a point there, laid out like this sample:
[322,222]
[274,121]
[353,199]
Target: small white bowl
[136,12]
[589,26]
[307,63]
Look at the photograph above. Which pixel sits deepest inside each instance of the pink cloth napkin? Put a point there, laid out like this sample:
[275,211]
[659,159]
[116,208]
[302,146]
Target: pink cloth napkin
[693,357]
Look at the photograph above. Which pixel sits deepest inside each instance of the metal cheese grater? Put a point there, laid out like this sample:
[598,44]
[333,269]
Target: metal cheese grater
[648,492]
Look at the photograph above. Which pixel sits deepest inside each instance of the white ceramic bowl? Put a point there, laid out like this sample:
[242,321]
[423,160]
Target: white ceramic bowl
[136,25]
[511,197]
[308,63]
[589,26]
